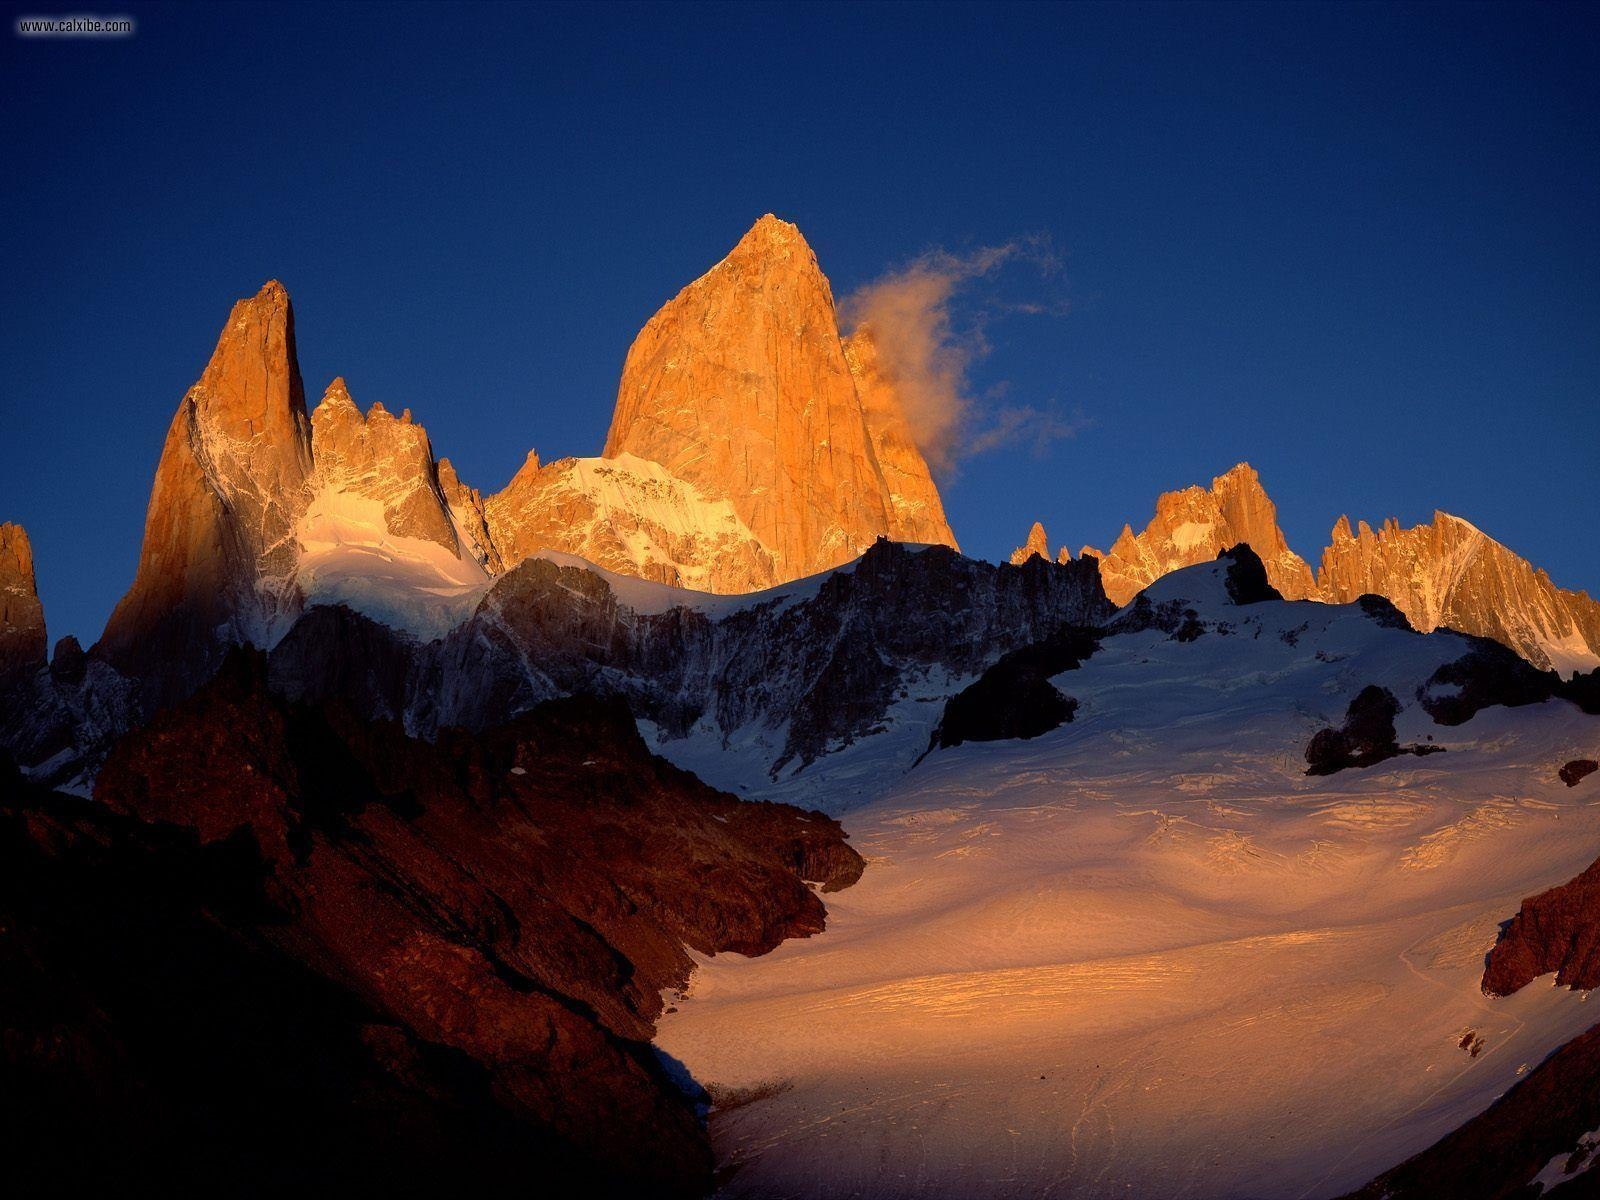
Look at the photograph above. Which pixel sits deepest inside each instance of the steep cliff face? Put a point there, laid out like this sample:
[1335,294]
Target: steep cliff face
[22,633]
[384,459]
[467,511]
[1450,573]
[630,516]
[916,513]
[219,551]
[1195,525]
[741,387]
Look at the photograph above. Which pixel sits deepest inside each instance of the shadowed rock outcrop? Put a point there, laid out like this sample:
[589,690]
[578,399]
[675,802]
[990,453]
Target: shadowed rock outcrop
[1574,772]
[1246,576]
[1497,1154]
[1366,738]
[1553,1111]
[1015,698]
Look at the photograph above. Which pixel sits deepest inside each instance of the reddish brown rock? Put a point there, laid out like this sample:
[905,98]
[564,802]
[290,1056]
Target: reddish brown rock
[1557,930]
[916,513]
[467,507]
[629,516]
[22,632]
[514,902]
[1037,546]
[382,458]
[1497,1154]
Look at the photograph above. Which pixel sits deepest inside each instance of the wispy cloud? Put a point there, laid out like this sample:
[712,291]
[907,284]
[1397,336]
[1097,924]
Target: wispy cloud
[908,313]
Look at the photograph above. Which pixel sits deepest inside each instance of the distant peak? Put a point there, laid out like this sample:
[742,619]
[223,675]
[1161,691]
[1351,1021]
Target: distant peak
[1037,544]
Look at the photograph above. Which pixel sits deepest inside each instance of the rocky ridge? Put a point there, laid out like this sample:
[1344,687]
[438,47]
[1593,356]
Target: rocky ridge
[1446,573]
[1449,573]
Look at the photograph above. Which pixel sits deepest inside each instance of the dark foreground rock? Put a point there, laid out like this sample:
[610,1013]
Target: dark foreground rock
[1246,576]
[1366,738]
[1496,1155]
[287,944]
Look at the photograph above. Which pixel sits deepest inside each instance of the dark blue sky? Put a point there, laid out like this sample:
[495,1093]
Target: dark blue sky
[1357,246]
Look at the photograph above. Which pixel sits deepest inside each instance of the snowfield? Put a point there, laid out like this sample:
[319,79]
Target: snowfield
[1145,955]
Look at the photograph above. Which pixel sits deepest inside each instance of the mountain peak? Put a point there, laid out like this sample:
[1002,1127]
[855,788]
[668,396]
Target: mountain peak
[1037,544]
[1241,474]
[740,387]
[768,234]
[337,396]
[222,509]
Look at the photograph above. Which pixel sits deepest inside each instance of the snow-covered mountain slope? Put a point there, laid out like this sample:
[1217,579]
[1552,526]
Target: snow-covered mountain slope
[1145,953]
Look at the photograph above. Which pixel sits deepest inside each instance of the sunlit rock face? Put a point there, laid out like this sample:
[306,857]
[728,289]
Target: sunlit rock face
[1450,573]
[632,517]
[377,532]
[22,634]
[384,458]
[1195,525]
[740,386]
[219,549]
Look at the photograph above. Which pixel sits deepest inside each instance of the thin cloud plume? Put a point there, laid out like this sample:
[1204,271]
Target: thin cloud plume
[927,359]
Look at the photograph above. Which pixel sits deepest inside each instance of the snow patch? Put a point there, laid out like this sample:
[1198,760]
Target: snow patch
[348,556]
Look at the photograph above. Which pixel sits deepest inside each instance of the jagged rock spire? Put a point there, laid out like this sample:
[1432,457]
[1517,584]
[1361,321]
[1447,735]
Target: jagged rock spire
[218,531]
[1036,545]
